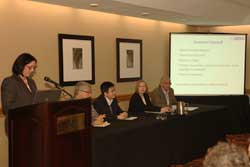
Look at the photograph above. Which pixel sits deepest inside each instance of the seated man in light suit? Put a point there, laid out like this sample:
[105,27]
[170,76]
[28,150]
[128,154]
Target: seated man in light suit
[163,95]
[107,103]
[83,91]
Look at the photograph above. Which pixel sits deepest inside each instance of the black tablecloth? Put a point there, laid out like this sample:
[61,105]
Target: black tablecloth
[238,106]
[149,142]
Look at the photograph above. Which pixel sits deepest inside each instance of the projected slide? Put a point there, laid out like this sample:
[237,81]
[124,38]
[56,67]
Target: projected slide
[207,64]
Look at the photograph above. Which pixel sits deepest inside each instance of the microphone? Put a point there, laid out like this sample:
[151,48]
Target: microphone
[57,86]
[51,81]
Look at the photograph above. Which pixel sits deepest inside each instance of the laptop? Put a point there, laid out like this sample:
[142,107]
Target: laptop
[42,96]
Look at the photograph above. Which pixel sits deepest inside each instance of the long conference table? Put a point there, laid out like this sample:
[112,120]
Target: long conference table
[150,142]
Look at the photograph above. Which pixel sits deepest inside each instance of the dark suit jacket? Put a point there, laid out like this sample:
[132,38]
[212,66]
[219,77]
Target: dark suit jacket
[136,105]
[101,106]
[14,93]
[159,99]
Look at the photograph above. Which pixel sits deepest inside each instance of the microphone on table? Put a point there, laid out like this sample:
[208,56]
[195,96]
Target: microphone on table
[57,85]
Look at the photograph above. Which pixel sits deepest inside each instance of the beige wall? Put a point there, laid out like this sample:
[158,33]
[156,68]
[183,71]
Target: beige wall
[3,145]
[33,27]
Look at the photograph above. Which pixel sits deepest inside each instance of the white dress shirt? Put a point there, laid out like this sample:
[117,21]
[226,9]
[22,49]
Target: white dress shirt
[109,104]
[166,95]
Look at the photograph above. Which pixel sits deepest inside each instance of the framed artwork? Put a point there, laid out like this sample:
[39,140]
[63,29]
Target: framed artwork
[129,59]
[76,59]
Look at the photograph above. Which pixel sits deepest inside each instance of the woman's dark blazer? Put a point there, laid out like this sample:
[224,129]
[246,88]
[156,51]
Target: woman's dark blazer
[136,105]
[14,93]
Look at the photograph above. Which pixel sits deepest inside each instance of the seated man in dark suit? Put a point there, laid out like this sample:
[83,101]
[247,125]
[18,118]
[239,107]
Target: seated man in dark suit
[107,103]
[163,95]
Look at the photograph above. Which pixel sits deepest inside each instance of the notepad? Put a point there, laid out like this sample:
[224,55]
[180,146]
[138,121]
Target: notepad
[130,118]
[105,124]
[153,112]
[191,108]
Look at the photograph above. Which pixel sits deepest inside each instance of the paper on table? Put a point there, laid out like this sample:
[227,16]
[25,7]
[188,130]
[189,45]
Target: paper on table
[130,118]
[191,108]
[105,124]
[153,112]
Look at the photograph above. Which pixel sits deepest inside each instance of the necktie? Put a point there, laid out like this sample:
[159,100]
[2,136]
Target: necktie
[167,97]
[111,111]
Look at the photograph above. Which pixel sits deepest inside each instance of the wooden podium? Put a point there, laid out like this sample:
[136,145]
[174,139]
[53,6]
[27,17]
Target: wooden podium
[50,135]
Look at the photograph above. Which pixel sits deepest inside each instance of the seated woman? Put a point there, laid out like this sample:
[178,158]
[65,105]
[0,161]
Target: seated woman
[140,101]
[83,91]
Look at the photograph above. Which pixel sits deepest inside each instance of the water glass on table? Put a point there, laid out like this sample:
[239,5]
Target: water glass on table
[161,116]
[173,110]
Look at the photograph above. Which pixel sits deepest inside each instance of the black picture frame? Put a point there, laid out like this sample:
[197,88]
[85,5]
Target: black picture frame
[129,59]
[76,59]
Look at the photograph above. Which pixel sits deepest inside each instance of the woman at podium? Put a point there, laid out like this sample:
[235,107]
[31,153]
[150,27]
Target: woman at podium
[19,89]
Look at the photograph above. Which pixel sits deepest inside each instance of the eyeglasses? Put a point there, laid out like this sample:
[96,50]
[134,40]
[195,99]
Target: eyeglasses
[31,67]
[85,91]
[167,83]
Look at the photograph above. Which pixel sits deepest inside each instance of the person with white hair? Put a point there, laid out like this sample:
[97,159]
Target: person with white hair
[83,90]
[226,155]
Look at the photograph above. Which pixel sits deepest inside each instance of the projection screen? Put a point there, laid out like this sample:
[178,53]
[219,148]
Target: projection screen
[207,63]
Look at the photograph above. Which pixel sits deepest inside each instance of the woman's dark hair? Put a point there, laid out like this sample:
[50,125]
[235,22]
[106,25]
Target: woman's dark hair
[21,61]
[105,86]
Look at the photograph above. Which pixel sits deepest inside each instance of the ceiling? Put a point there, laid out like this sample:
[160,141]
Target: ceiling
[190,12]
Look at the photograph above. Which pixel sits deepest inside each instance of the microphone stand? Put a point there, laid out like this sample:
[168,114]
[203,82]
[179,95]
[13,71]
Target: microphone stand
[63,90]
